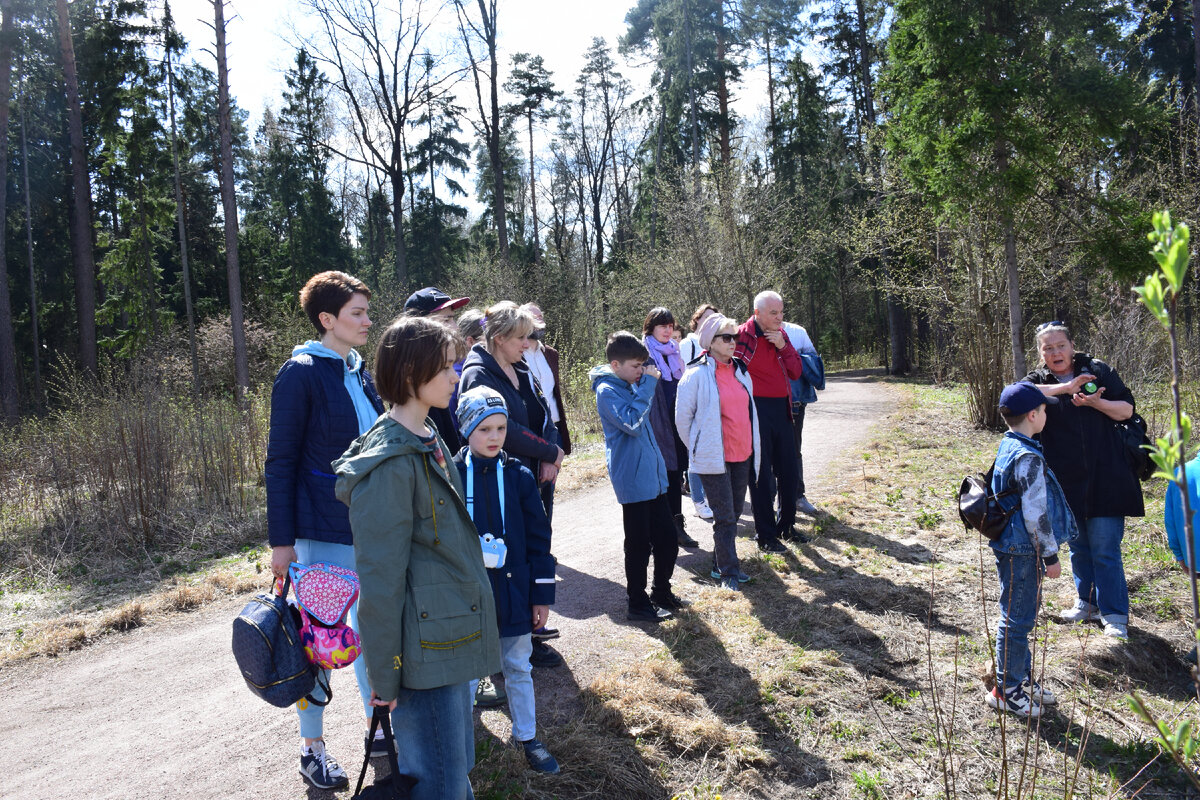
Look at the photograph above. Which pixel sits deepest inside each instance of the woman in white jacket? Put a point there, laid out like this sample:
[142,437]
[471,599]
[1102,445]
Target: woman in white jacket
[689,351]
[714,412]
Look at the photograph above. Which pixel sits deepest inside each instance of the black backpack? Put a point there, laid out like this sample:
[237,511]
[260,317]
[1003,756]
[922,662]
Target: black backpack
[266,644]
[981,510]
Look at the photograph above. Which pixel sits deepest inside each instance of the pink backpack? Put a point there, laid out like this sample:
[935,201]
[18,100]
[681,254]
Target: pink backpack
[325,593]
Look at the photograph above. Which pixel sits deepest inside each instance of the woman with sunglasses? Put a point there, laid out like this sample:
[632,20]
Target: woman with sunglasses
[714,412]
[1088,456]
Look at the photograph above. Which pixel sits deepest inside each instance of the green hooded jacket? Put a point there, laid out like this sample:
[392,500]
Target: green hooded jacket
[425,612]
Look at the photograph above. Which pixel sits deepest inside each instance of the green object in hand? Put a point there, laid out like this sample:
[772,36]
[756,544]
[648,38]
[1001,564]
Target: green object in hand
[1089,387]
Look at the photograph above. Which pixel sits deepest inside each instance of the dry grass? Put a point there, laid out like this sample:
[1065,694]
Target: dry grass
[856,666]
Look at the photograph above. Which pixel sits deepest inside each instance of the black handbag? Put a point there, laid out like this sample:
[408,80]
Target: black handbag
[390,787]
[1132,433]
[269,654]
[981,510]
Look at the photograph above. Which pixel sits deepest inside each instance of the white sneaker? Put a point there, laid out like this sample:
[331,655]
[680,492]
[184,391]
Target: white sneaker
[1040,694]
[703,511]
[1082,611]
[1116,630]
[1015,702]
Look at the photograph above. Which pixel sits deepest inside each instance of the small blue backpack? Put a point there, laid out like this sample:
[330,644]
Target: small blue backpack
[266,644]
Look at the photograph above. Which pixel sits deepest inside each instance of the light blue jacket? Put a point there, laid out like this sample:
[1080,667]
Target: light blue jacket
[804,388]
[698,415]
[1173,516]
[635,465]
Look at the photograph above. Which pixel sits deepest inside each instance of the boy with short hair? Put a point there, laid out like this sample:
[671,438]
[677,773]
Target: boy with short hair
[624,390]
[1027,549]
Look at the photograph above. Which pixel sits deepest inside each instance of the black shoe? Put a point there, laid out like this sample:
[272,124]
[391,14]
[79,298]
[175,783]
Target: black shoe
[544,656]
[771,546]
[377,747]
[681,534]
[545,633]
[488,694]
[669,601]
[651,614]
[795,536]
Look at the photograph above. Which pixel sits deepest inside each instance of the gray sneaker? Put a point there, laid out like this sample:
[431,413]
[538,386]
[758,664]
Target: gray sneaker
[805,507]
[1082,611]
[488,694]
[319,768]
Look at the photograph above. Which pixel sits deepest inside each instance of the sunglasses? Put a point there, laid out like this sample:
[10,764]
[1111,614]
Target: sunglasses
[725,337]
[1047,325]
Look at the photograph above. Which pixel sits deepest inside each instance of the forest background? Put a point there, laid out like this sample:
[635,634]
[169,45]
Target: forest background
[924,177]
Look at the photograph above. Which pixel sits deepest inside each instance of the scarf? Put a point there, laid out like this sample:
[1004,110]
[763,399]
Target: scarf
[666,357]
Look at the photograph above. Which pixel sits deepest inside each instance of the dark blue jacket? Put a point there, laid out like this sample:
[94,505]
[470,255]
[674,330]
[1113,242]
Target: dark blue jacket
[312,423]
[527,577]
[528,446]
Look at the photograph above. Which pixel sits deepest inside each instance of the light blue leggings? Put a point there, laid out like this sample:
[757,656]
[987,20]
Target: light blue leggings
[312,717]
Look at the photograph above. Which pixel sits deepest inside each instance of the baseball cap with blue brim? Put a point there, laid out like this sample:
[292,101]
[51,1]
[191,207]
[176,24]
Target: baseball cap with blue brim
[1022,397]
[475,406]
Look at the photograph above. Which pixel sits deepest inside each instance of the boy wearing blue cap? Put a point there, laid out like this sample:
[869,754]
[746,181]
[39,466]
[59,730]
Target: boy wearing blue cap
[1028,548]
[502,499]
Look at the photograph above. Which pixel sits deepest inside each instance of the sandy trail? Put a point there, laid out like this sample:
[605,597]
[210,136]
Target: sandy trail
[161,711]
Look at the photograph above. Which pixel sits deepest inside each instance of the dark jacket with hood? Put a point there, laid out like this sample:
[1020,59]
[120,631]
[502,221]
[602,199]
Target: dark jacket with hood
[528,446]
[425,609]
[527,577]
[313,421]
[1085,450]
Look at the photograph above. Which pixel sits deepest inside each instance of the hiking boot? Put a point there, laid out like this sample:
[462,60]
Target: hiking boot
[669,601]
[545,633]
[1116,630]
[1014,702]
[539,757]
[741,576]
[1082,611]
[731,583]
[703,511]
[1040,694]
[376,747]
[681,534]
[805,507]
[319,768]
[488,694]
[771,546]
[648,614]
[544,656]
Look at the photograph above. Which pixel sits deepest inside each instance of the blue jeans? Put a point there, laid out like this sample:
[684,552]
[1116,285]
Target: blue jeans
[312,717]
[1099,572]
[435,738]
[728,495]
[695,486]
[1019,579]
[518,685]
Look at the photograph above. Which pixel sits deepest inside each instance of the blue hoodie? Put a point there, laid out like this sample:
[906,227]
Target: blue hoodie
[1173,516]
[352,365]
[635,465]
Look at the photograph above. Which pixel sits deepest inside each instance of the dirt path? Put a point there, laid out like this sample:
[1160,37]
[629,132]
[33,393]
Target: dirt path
[161,711]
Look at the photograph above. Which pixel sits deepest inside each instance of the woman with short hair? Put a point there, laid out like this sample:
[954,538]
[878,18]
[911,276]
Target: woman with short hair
[322,400]
[1089,458]
[656,335]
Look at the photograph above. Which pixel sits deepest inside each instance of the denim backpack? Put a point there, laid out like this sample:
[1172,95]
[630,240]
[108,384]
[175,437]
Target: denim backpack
[267,647]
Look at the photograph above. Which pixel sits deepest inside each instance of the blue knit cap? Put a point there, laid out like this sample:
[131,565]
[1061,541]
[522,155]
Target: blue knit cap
[475,405]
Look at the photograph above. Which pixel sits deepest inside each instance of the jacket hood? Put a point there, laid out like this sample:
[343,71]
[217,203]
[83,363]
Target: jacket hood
[604,374]
[353,361]
[480,357]
[386,439]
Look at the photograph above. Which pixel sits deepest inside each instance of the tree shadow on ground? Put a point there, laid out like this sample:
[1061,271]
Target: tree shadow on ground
[731,692]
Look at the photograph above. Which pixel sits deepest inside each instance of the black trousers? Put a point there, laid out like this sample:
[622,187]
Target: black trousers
[798,410]
[649,529]
[779,467]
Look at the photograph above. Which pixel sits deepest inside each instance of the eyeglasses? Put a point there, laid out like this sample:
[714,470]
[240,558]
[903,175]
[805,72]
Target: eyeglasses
[1047,325]
[725,337]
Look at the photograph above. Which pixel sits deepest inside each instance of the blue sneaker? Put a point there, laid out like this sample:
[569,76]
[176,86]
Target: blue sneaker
[318,768]
[539,757]
[741,576]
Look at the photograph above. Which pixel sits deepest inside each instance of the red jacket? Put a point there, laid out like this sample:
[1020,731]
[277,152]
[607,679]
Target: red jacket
[771,376]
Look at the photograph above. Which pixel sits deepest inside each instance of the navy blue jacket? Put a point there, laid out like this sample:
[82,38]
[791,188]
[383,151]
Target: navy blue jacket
[312,423]
[528,446]
[527,577]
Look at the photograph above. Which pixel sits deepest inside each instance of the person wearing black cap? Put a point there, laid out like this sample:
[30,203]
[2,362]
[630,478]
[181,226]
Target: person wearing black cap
[437,305]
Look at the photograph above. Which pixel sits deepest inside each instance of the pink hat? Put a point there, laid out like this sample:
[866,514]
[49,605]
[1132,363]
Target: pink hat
[711,327]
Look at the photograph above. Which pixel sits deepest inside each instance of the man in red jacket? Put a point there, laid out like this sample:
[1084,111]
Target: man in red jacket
[773,363]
